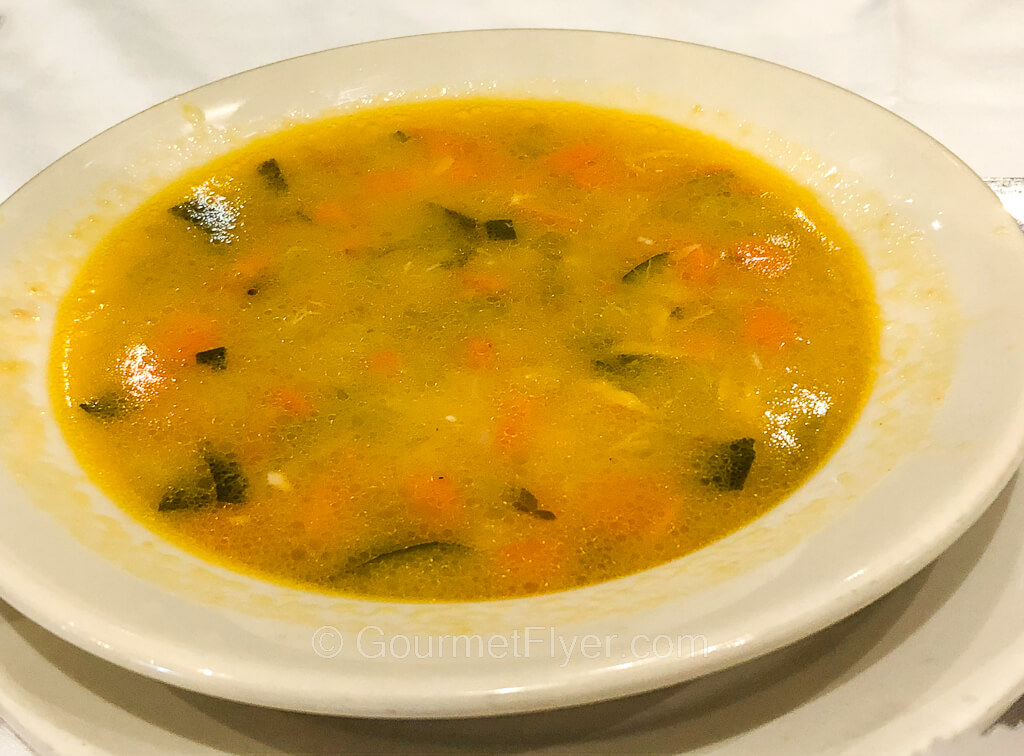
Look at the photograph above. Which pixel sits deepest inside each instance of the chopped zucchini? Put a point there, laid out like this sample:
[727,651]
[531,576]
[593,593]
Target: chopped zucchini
[500,230]
[423,550]
[646,269]
[186,497]
[229,482]
[109,406]
[729,465]
[215,217]
[460,221]
[526,502]
[272,176]
[215,359]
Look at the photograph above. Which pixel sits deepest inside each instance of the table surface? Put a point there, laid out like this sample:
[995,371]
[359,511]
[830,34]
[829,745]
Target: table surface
[71,68]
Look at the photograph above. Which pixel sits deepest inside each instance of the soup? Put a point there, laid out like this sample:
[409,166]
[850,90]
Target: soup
[464,349]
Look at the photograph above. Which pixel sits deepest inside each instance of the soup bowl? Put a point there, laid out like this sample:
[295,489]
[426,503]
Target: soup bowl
[940,434]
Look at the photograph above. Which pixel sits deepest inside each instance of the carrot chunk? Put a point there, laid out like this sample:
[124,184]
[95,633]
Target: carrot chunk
[768,326]
[389,183]
[485,284]
[478,353]
[182,335]
[694,263]
[529,564]
[626,506]
[587,165]
[434,498]
[385,363]
[291,400]
[332,213]
[512,425]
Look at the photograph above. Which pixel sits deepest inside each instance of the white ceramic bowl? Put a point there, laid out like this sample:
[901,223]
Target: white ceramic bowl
[941,433]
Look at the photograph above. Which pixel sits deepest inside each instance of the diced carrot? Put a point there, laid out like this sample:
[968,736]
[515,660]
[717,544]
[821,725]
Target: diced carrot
[694,263]
[182,334]
[291,400]
[461,160]
[768,326]
[485,283]
[323,510]
[441,143]
[767,258]
[478,353]
[625,505]
[703,346]
[385,363]
[550,219]
[589,166]
[255,263]
[377,183]
[332,213]
[512,425]
[328,509]
[529,564]
[568,160]
[433,498]
[466,168]
[351,240]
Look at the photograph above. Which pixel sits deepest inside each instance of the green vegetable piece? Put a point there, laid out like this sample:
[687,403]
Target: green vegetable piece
[181,497]
[646,269]
[626,365]
[461,222]
[271,173]
[500,230]
[526,502]
[220,480]
[400,136]
[459,257]
[466,231]
[229,482]
[214,216]
[423,550]
[109,406]
[729,465]
[215,359]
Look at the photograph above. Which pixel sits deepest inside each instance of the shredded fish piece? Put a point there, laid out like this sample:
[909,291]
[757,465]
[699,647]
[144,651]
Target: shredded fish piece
[614,395]
[277,480]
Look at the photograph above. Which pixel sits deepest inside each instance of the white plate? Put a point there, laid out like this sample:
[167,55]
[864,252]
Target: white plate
[941,432]
[939,656]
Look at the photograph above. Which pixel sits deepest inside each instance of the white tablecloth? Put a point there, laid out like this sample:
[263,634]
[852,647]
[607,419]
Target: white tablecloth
[71,68]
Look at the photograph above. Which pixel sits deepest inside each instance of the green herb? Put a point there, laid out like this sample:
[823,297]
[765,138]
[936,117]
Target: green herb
[400,136]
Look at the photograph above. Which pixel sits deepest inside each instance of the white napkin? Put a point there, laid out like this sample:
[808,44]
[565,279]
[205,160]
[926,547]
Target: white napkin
[71,68]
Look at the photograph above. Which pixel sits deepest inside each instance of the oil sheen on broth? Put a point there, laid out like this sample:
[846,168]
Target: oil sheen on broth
[464,350]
